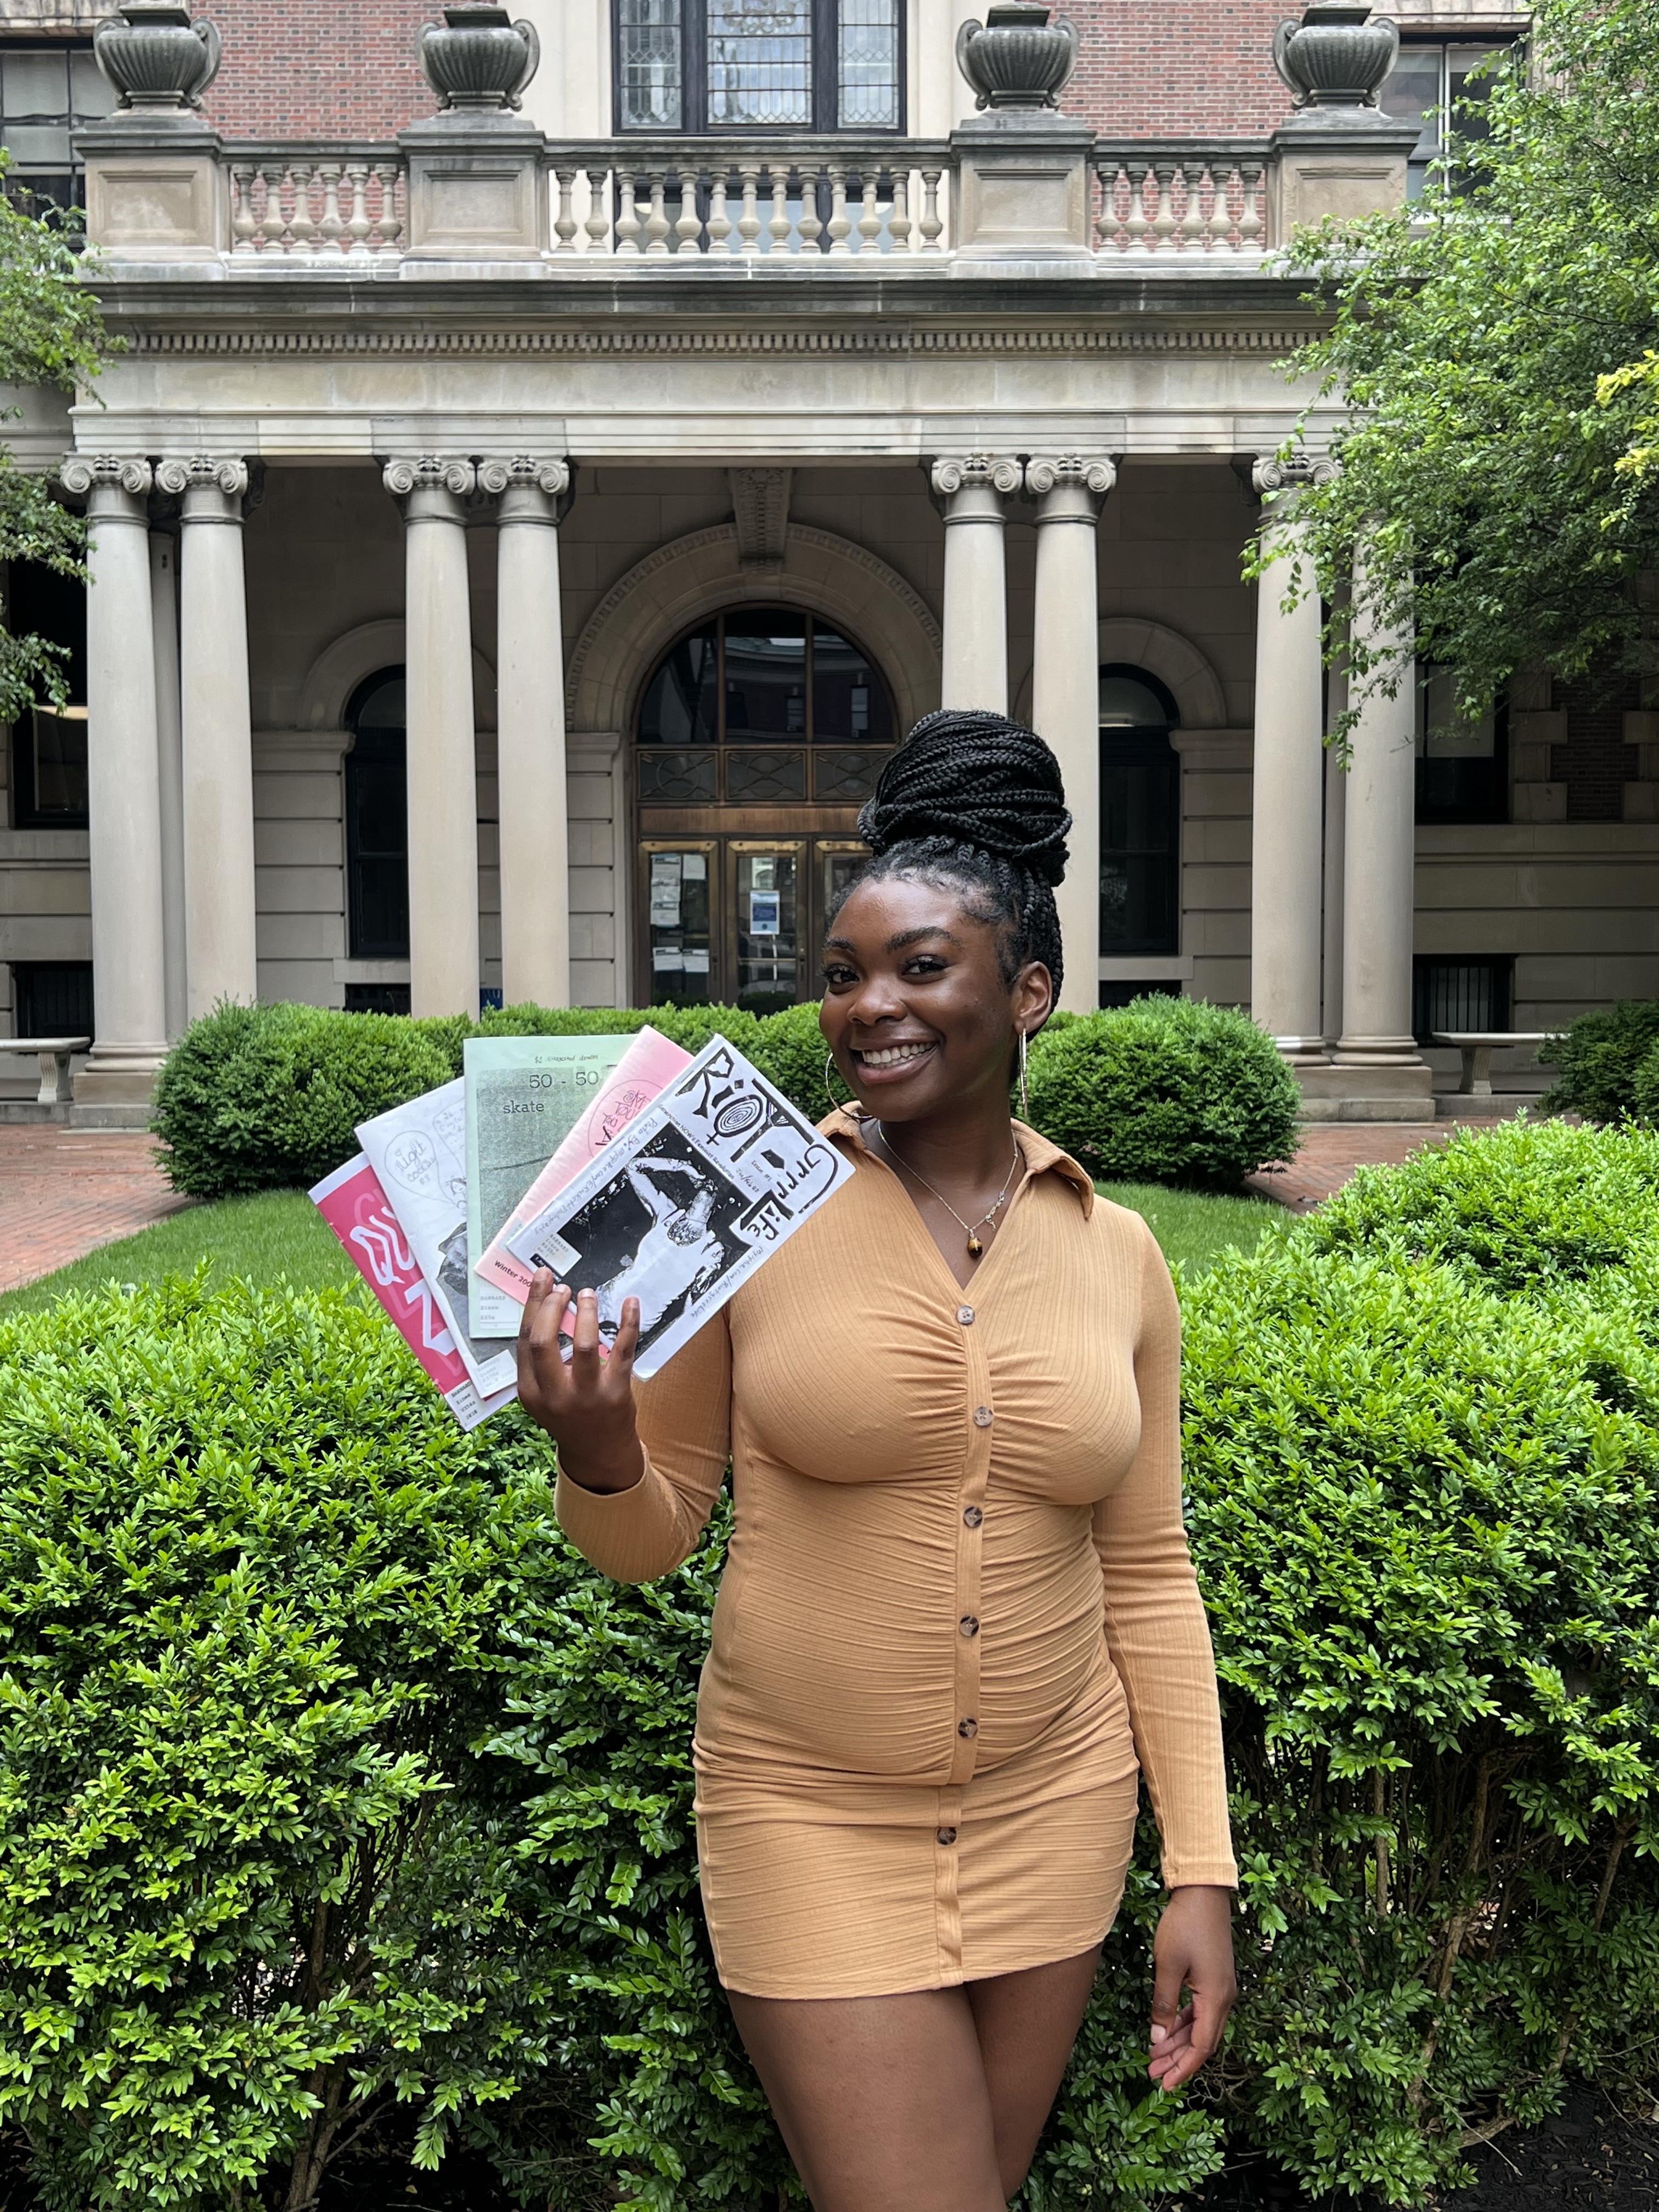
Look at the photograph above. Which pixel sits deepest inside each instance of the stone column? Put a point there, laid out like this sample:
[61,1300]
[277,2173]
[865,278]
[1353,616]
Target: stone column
[1388,1074]
[1336,839]
[220,957]
[123,799]
[1287,806]
[1066,691]
[170,768]
[443,795]
[971,491]
[535,844]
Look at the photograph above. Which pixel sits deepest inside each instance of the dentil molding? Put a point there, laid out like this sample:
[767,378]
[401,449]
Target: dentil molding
[1059,341]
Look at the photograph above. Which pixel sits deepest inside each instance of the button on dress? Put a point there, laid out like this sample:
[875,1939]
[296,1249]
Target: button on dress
[958,1619]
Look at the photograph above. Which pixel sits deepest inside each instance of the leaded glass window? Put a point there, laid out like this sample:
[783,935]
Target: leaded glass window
[818,65]
[651,64]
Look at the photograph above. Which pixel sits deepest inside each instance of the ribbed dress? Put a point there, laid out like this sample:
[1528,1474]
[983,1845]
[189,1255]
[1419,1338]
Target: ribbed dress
[959,1611]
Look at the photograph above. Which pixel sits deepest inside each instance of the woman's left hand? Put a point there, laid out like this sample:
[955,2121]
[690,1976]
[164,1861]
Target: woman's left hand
[1192,1950]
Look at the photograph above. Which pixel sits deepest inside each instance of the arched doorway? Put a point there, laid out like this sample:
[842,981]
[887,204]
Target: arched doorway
[758,736]
[1140,816]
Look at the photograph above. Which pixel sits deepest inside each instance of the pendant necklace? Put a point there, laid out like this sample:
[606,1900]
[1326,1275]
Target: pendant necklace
[976,1245]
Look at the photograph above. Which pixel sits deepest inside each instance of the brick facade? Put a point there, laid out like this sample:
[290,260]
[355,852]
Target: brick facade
[348,71]
[1201,67]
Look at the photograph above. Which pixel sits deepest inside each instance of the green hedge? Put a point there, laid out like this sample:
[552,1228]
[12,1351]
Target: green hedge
[1165,1091]
[1606,1063]
[271,1625]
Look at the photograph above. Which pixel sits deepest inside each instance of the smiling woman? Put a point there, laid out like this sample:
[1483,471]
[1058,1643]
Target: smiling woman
[958,1600]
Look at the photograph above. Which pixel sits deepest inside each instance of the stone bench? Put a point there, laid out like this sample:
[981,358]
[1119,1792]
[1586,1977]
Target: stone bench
[1477,1047]
[55,1053]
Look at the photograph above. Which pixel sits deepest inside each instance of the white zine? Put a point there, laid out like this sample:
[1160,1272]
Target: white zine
[419,1153]
[681,1209]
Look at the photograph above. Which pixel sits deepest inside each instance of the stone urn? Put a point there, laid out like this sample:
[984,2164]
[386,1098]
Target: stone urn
[1337,55]
[478,59]
[156,57]
[1017,58]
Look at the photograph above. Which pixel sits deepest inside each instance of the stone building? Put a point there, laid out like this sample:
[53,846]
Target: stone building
[544,472]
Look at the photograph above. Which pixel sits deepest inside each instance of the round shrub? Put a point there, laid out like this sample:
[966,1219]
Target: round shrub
[1165,1091]
[791,1051]
[1644,1089]
[261,1097]
[1597,1058]
[1514,1207]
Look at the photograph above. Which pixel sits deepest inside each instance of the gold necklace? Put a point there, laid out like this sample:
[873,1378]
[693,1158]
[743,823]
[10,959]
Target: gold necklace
[975,1245]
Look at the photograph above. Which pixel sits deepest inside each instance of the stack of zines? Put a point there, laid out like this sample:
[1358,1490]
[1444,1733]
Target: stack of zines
[620,1162]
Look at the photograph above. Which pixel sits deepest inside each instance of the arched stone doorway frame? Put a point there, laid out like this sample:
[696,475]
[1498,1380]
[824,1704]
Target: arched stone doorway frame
[685,583]
[361,651]
[1134,641]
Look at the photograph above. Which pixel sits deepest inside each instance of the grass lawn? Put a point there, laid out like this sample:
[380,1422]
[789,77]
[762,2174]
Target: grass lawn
[280,1233]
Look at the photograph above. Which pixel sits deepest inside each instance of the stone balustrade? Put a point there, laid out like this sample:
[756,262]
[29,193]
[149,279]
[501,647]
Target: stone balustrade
[316,204]
[1195,195]
[724,200]
[697,200]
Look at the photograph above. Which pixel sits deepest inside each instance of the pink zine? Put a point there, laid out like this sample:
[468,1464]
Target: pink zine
[361,1215]
[649,1066]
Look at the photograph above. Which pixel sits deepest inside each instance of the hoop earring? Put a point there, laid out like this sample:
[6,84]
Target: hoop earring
[1025,1096]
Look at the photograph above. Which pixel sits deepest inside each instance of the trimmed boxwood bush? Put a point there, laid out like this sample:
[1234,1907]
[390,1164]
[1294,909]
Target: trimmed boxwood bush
[1165,1091]
[1598,1060]
[335,1787]
[258,1097]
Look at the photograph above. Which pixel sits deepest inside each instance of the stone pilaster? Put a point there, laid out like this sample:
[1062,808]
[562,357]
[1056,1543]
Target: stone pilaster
[1286,839]
[1070,490]
[124,803]
[442,776]
[971,490]
[221,960]
[535,838]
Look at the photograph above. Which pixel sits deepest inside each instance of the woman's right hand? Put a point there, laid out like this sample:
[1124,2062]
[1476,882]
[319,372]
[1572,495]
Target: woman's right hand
[585,1403]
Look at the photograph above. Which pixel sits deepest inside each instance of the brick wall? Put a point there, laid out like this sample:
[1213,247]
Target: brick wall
[1198,66]
[348,71]
[1203,67]
[1595,761]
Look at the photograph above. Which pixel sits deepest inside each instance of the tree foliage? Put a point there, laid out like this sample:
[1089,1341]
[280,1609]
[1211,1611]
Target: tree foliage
[50,333]
[1492,352]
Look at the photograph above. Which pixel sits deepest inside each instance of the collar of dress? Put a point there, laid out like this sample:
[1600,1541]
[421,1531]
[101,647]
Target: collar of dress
[1042,1157]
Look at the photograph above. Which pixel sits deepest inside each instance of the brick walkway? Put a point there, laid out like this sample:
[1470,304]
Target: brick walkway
[64,1191]
[1331,1151]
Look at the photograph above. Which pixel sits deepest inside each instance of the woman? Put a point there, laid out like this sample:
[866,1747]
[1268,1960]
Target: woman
[951,1407]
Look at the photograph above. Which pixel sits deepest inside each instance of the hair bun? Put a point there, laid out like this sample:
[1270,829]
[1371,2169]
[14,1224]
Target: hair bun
[975,779]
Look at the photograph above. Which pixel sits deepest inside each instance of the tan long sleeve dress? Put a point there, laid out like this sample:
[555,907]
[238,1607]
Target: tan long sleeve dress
[958,1601]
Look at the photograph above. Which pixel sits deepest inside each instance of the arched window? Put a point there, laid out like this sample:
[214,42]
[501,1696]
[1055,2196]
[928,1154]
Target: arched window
[1140,816]
[377,827]
[760,734]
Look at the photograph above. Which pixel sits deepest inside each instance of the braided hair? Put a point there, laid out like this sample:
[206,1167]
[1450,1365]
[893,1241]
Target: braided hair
[976,801]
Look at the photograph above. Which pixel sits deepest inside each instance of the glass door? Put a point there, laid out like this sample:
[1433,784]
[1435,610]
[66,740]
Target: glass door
[679,920]
[763,876]
[835,862]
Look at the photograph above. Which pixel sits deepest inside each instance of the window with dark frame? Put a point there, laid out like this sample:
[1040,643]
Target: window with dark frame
[765,706]
[377,823]
[47,88]
[714,65]
[1462,764]
[1139,817]
[49,744]
[1426,85]
[52,998]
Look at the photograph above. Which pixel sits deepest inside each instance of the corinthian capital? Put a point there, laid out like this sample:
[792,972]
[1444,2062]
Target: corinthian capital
[84,472]
[204,471]
[1092,472]
[525,472]
[430,472]
[1274,474]
[977,472]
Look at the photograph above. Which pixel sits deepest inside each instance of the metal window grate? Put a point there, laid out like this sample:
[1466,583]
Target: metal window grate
[1472,992]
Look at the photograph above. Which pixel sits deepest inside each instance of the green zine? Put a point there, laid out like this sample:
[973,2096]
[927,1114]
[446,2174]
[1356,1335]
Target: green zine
[524,1095]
